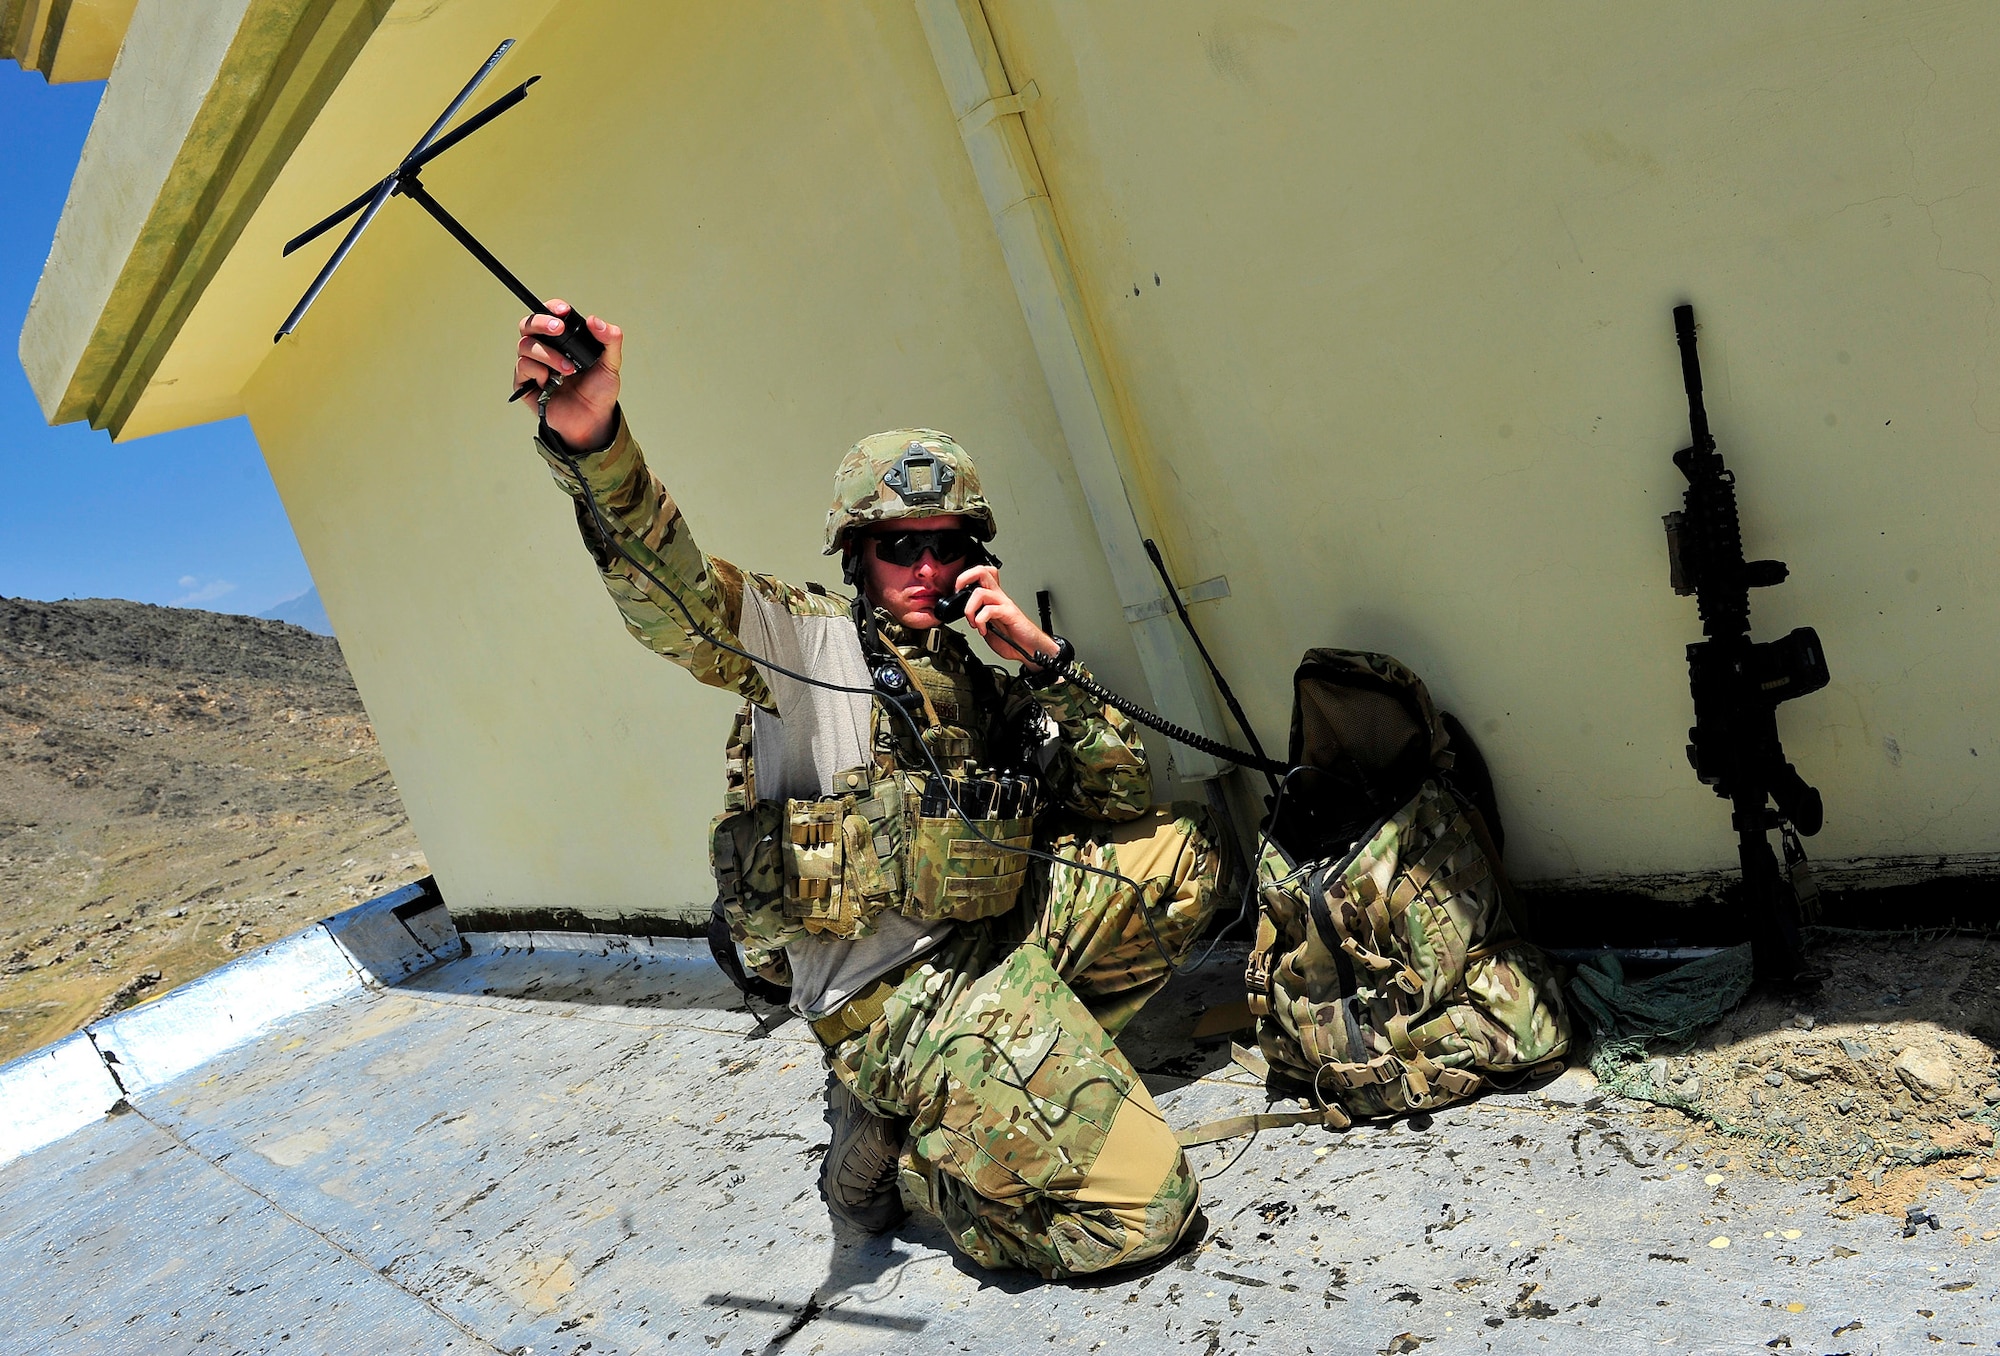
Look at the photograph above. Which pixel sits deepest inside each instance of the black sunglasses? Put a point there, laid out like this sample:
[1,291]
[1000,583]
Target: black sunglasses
[948,546]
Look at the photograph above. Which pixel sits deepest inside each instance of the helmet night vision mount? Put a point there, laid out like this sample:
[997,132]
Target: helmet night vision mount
[920,476]
[575,343]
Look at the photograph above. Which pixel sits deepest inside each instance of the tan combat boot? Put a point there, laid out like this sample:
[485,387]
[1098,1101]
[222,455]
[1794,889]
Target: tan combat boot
[857,1179]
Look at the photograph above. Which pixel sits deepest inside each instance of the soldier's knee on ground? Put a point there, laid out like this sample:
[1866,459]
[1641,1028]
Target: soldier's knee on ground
[1141,1181]
[1135,1204]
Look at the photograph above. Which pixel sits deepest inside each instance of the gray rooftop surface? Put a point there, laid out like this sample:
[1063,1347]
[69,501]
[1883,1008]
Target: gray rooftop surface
[575,1146]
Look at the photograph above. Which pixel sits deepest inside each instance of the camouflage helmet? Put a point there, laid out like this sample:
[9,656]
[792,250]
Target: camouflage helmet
[905,473]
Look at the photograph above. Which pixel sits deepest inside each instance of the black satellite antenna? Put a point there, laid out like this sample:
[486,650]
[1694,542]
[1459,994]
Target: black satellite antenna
[575,342]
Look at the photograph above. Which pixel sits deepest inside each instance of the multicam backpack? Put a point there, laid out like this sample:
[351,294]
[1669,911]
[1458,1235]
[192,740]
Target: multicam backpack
[1386,976]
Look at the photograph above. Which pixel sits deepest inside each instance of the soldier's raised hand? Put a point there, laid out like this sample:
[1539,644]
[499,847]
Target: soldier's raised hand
[583,407]
[1000,620]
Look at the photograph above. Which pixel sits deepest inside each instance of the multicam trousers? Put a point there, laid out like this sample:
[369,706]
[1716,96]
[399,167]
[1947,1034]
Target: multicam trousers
[1031,1137]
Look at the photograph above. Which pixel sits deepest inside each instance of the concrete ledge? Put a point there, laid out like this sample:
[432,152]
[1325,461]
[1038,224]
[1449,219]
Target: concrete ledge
[65,40]
[65,1086]
[204,107]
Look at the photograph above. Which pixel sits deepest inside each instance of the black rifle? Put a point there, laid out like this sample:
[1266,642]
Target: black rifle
[1737,687]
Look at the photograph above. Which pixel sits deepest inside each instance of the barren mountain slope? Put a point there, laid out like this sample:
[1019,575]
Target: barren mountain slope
[175,786]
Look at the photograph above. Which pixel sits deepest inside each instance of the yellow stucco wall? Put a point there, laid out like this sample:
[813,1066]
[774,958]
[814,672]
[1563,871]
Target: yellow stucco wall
[1408,373]
[770,200]
[1384,293]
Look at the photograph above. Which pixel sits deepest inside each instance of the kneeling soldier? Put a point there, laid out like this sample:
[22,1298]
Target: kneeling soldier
[967,991]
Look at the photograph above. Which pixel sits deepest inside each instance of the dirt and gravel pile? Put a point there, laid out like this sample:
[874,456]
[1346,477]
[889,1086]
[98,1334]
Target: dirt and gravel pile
[176,786]
[1881,1083]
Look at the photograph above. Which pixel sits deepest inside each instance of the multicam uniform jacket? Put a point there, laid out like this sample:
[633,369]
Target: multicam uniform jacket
[1089,757]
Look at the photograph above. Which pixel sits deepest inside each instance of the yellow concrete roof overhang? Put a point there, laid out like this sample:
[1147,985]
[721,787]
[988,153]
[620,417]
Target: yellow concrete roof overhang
[217,137]
[66,40]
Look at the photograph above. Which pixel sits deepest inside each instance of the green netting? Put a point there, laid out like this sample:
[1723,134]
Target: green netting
[1634,1023]
[1628,1016]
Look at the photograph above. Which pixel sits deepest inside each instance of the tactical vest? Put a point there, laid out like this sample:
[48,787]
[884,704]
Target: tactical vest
[890,840]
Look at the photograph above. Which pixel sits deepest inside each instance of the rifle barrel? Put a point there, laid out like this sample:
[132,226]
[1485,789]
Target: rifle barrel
[1691,378]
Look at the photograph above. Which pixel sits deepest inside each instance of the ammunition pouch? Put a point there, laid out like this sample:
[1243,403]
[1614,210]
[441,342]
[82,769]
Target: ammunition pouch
[847,858]
[741,850]
[843,859]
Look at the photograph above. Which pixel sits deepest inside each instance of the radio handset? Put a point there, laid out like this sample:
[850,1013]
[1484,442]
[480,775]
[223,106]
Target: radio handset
[951,607]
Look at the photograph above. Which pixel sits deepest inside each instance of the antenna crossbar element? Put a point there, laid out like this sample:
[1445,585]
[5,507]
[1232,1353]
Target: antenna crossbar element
[370,202]
[451,109]
[321,227]
[418,159]
[376,197]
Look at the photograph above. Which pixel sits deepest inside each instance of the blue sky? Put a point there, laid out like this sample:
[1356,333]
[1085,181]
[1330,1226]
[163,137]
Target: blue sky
[188,518]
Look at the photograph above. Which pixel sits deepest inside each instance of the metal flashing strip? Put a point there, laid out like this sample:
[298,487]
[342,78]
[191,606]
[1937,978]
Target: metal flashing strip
[46,1094]
[65,1086]
[397,935]
[1207,591]
[158,1042]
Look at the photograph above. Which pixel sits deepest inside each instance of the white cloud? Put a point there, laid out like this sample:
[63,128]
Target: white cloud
[200,593]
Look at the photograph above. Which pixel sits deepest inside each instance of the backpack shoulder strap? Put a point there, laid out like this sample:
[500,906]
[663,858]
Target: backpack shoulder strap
[1321,913]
